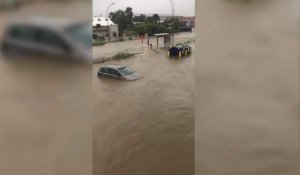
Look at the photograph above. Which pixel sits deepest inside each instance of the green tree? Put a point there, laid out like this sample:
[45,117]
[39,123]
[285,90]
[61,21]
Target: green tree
[156,18]
[140,29]
[176,24]
[141,18]
[150,25]
[124,19]
[119,18]
[110,15]
[129,15]
[149,19]
[172,24]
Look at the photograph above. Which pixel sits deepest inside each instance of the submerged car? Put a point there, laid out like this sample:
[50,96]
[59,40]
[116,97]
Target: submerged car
[48,37]
[118,72]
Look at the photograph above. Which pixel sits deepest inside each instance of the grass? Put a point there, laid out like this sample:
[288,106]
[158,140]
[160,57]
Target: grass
[122,55]
[98,43]
[119,56]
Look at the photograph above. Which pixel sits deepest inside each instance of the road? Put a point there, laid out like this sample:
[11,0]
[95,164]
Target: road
[136,46]
[145,126]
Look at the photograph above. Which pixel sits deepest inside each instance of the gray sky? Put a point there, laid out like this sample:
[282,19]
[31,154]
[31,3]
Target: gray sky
[182,7]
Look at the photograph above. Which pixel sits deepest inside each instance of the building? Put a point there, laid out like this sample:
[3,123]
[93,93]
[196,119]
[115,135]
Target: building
[105,29]
[187,23]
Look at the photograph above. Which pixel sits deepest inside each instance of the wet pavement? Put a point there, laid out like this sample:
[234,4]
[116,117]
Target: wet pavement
[145,126]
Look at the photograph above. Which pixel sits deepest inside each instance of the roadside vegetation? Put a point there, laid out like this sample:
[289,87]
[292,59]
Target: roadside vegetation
[122,55]
[118,56]
[132,27]
[98,43]
[141,25]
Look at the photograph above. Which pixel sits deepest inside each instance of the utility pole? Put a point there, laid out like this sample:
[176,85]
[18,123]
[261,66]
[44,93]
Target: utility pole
[173,13]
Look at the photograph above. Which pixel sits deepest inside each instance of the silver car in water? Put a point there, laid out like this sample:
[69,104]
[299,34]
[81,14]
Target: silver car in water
[118,72]
[48,37]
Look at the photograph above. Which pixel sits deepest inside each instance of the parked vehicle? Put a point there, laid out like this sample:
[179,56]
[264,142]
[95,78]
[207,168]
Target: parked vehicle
[46,37]
[8,4]
[179,50]
[118,72]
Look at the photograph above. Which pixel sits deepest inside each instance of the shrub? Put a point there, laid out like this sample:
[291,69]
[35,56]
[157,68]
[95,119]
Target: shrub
[98,43]
[122,55]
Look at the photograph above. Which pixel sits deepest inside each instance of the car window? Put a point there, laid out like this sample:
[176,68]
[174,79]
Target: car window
[105,70]
[25,33]
[115,72]
[81,33]
[50,38]
[126,71]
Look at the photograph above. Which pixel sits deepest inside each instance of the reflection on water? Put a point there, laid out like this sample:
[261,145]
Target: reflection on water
[145,127]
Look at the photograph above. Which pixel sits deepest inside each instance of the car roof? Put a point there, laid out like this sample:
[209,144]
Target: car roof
[115,66]
[47,22]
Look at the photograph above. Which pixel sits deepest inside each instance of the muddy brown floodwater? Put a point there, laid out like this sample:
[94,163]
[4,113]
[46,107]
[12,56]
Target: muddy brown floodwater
[247,87]
[145,127]
[45,109]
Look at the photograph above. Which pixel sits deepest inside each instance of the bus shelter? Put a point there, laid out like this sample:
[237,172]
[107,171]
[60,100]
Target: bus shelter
[166,39]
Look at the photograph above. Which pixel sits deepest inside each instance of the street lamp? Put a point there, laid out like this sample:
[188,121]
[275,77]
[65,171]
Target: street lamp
[173,11]
[108,8]
[107,18]
[172,8]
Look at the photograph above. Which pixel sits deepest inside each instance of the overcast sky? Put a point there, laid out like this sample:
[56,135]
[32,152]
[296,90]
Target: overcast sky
[182,7]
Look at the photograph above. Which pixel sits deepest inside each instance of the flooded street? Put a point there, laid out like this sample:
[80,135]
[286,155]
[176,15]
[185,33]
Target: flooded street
[45,128]
[145,127]
[137,46]
[247,88]
[232,108]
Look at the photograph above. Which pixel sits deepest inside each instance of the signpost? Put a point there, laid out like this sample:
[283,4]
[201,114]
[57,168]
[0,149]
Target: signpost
[148,41]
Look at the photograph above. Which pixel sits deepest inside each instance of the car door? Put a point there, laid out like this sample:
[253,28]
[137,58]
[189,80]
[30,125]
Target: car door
[51,43]
[115,74]
[105,72]
[21,39]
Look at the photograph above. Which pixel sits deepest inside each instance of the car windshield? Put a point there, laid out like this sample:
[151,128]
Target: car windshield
[81,33]
[126,71]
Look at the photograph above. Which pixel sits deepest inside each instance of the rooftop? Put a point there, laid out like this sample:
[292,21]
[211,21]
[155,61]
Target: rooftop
[103,21]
